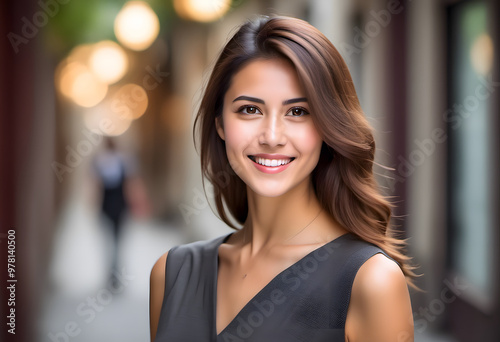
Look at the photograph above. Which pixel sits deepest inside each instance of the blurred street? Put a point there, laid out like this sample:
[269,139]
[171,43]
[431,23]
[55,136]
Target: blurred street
[99,173]
[79,269]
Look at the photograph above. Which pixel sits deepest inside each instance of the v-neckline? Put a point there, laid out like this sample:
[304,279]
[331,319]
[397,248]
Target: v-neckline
[216,278]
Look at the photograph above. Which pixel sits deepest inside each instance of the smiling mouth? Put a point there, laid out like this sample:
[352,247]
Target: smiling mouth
[271,162]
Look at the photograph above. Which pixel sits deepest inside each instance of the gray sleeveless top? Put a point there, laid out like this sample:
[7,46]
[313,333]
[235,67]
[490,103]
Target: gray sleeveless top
[307,301]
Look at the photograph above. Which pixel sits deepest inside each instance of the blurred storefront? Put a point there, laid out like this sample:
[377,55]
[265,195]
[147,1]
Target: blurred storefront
[427,74]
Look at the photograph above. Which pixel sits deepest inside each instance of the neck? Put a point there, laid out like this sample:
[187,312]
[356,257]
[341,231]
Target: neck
[276,220]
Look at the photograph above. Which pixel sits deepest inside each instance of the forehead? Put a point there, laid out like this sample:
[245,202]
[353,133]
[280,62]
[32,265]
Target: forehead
[266,78]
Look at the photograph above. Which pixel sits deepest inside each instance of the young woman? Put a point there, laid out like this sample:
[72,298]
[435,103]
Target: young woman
[289,153]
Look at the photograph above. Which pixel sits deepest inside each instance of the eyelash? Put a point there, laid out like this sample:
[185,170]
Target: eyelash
[242,108]
[305,111]
[245,107]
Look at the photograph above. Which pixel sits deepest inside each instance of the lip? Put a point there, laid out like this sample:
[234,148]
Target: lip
[270,169]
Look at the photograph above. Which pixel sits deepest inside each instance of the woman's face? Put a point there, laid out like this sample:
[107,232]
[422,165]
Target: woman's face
[271,141]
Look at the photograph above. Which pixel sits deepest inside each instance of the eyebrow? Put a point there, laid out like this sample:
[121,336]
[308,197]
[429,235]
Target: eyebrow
[255,99]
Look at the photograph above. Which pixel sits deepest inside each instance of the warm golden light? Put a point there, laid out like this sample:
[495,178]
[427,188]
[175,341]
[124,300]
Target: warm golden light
[481,54]
[81,53]
[87,90]
[102,120]
[202,10]
[78,83]
[130,101]
[108,61]
[66,75]
[137,26]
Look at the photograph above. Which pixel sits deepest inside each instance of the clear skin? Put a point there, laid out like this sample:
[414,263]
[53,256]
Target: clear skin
[259,119]
[256,121]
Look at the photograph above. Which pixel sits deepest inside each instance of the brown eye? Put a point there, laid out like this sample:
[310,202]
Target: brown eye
[249,110]
[297,111]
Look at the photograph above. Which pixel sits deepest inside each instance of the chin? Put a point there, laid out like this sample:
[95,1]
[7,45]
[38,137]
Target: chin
[270,189]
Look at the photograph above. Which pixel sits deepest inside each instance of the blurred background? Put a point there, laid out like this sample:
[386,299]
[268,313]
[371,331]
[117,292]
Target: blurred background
[99,174]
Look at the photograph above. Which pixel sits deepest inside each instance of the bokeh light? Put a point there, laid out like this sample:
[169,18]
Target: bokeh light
[81,53]
[202,10]
[108,61]
[76,81]
[103,120]
[87,90]
[65,76]
[481,54]
[137,25]
[130,101]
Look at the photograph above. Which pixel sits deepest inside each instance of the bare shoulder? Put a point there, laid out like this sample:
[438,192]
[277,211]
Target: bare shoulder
[379,275]
[379,309]
[156,293]
[158,270]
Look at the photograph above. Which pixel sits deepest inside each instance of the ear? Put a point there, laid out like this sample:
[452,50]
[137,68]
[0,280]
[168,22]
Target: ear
[220,127]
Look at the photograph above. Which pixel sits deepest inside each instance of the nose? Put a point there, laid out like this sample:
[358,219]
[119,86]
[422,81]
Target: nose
[273,131]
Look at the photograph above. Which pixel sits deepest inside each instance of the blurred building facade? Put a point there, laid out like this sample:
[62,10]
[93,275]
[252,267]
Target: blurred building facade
[427,74]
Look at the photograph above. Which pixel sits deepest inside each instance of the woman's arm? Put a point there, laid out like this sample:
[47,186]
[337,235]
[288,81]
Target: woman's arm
[380,308]
[156,291]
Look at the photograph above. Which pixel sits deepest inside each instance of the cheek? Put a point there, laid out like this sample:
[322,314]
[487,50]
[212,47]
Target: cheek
[237,136]
[237,140]
[308,140]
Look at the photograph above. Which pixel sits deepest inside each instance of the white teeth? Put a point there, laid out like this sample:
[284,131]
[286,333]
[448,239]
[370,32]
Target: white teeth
[272,162]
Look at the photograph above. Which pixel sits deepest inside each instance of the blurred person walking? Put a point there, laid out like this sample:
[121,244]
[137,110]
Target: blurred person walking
[114,169]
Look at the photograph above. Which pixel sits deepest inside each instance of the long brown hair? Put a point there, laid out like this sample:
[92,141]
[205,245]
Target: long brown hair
[343,179]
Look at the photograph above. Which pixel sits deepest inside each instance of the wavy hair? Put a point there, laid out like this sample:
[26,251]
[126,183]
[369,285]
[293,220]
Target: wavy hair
[343,179]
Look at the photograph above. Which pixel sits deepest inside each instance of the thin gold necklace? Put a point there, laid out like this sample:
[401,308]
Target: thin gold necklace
[300,231]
